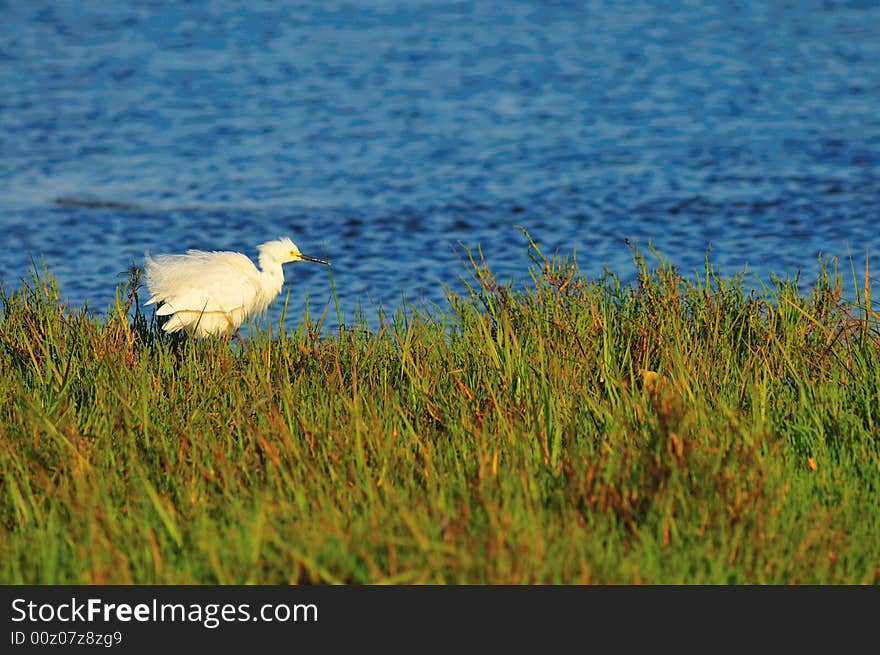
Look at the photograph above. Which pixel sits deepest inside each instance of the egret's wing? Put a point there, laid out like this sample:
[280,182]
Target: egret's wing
[201,281]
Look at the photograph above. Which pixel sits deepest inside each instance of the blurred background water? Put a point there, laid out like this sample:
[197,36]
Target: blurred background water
[381,134]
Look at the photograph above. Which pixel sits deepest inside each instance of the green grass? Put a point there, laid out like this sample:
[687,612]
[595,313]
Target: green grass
[578,431]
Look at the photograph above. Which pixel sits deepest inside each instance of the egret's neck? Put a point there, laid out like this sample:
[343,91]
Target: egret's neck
[272,275]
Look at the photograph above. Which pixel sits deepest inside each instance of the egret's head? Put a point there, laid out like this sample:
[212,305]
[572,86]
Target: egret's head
[284,250]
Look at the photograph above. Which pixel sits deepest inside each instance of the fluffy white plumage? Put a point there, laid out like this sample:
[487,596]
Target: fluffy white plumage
[212,293]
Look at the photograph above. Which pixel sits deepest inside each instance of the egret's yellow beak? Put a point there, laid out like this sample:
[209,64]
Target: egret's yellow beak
[313,259]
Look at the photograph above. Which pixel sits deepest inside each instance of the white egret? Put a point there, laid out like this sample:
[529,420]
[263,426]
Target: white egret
[212,293]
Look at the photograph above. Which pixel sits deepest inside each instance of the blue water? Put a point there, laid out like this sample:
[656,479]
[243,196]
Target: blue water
[381,134]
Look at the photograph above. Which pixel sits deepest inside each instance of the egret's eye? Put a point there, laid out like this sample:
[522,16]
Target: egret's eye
[292,254]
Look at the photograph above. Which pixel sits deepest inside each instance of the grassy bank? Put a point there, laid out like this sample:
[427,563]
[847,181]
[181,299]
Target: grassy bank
[583,431]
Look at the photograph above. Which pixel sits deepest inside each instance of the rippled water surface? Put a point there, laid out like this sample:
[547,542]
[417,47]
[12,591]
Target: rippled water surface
[381,134]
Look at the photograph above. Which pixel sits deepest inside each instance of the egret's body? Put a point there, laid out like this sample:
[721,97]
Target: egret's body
[212,293]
